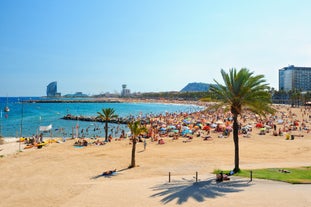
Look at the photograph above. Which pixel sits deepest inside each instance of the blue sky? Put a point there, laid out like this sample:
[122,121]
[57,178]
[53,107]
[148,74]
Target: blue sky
[150,45]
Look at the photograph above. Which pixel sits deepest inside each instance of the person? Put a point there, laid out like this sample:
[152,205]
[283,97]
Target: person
[208,137]
[275,133]
[109,172]
[84,143]
[145,144]
[287,136]
[221,177]
[161,141]
[41,138]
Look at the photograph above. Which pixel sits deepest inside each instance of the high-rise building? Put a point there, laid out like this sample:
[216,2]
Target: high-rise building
[295,78]
[51,90]
[125,91]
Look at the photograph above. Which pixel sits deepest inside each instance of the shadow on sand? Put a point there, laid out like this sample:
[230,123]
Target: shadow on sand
[185,189]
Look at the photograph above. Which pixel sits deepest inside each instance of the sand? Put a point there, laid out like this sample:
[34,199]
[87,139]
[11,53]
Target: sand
[62,175]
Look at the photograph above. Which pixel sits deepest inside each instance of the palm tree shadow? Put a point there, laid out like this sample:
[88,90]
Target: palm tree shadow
[183,190]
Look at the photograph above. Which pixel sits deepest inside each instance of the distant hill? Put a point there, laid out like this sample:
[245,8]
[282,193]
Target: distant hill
[196,87]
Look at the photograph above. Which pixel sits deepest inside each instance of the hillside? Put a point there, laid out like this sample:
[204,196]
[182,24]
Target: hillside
[196,87]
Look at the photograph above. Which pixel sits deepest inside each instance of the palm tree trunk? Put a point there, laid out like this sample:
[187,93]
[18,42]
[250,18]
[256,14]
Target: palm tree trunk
[106,131]
[133,153]
[236,143]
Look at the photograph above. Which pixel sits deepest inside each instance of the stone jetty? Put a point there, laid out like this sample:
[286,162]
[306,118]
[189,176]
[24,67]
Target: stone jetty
[118,120]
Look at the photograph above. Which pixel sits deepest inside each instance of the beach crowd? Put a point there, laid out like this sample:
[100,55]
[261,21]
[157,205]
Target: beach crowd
[205,124]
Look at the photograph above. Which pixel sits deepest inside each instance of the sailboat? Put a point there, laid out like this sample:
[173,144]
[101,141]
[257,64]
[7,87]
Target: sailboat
[6,108]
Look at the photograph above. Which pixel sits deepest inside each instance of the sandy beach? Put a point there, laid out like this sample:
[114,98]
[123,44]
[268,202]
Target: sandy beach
[60,174]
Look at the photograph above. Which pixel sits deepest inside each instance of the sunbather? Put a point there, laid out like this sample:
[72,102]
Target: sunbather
[109,172]
[221,177]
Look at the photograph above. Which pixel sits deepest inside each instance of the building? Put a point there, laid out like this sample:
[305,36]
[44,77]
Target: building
[51,90]
[295,78]
[125,92]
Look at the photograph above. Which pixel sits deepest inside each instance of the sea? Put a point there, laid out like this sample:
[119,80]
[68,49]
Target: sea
[25,118]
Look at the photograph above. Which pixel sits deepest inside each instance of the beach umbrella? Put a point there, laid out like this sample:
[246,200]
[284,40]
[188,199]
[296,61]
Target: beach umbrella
[199,125]
[186,121]
[259,125]
[280,121]
[213,125]
[187,131]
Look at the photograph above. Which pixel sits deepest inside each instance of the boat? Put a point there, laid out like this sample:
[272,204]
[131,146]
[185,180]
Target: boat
[6,108]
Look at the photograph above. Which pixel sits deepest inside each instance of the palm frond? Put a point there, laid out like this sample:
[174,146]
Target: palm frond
[242,89]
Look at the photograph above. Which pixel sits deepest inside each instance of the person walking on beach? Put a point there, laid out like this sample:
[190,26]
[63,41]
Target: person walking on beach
[145,144]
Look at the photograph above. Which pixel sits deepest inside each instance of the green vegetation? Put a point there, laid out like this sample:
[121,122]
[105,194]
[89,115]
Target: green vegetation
[106,115]
[300,175]
[136,130]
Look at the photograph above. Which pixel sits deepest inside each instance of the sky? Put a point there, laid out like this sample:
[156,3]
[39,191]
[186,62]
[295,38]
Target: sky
[95,46]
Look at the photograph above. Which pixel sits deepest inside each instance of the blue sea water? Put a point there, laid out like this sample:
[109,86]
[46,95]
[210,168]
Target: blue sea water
[24,118]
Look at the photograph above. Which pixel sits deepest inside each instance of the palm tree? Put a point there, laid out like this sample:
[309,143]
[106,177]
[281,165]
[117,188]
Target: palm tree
[106,115]
[136,129]
[242,91]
